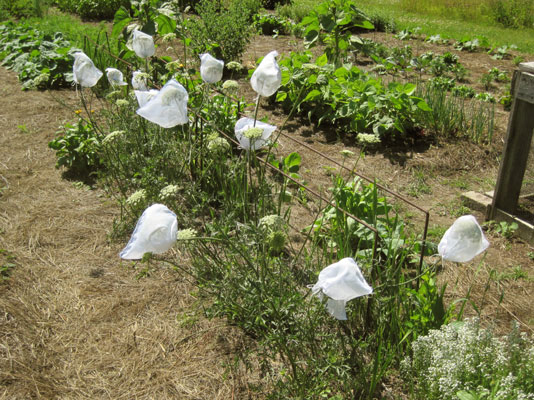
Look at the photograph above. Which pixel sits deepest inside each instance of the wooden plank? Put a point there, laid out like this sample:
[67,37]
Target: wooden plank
[516,148]
[527,67]
[525,89]
[524,230]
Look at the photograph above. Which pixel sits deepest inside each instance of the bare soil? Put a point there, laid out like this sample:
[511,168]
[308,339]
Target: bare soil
[77,323]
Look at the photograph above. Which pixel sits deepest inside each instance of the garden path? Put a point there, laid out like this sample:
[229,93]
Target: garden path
[74,321]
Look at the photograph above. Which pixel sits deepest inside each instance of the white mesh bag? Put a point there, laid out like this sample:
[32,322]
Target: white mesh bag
[84,71]
[463,240]
[143,44]
[115,77]
[155,232]
[247,142]
[211,69]
[139,81]
[169,107]
[143,97]
[267,78]
[341,282]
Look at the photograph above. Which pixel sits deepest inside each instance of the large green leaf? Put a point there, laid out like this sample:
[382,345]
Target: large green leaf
[165,24]
[120,21]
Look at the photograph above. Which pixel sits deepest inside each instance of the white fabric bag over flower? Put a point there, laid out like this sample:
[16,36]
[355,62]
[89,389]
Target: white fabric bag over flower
[84,71]
[267,78]
[250,140]
[463,240]
[155,232]
[341,282]
[143,44]
[139,81]
[169,107]
[115,77]
[143,97]
[211,69]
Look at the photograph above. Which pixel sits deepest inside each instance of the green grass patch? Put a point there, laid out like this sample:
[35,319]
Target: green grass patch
[72,27]
[450,26]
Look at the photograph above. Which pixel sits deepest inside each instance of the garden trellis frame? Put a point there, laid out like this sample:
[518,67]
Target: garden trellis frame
[517,152]
[424,212]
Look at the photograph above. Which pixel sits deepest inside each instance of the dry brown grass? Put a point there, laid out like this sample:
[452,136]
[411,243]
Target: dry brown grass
[75,323]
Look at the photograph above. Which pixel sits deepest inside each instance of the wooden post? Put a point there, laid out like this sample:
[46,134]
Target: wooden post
[518,140]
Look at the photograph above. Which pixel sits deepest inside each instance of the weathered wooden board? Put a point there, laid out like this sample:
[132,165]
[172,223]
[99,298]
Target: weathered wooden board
[525,88]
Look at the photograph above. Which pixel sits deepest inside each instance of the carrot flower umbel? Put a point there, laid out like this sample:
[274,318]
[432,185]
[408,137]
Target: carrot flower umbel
[252,134]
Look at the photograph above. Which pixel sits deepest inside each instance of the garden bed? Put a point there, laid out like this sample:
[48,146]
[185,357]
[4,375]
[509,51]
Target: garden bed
[77,322]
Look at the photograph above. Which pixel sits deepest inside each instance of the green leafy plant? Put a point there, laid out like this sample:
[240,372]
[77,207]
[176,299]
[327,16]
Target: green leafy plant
[223,32]
[77,149]
[453,115]
[21,8]
[92,9]
[41,61]
[272,24]
[503,228]
[332,22]
[346,96]
[512,13]
[472,44]
[502,52]
[7,263]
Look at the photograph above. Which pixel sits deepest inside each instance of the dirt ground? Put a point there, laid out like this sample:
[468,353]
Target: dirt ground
[433,176]
[76,323]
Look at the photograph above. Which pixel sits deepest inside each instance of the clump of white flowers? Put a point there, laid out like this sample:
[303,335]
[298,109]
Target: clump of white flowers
[271,223]
[137,198]
[274,227]
[186,234]
[169,192]
[230,85]
[42,78]
[346,153]
[234,66]
[368,138]
[122,103]
[113,95]
[168,37]
[111,137]
[218,145]
[463,357]
[253,133]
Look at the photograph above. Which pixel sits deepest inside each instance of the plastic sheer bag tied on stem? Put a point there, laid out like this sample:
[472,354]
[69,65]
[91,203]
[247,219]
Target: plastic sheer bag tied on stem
[155,232]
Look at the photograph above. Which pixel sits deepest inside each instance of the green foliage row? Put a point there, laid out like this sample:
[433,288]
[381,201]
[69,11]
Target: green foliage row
[40,60]
[18,9]
[512,13]
[92,9]
[224,32]
[353,100]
